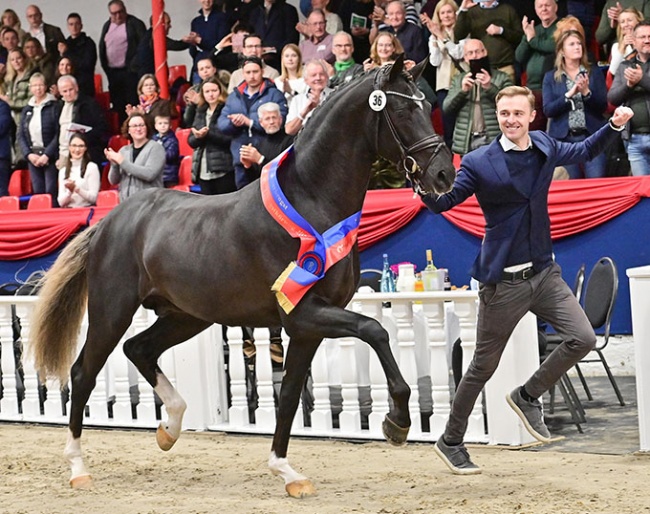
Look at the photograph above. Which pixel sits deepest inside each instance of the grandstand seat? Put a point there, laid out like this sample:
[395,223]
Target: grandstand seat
[39,202]
[105,184]
[9,203]
[183,146]
[99,83]
[113,122]
[456,160]
[185,172]
[20,184]
[103,98]
[181,188]
[108,198]
[176,72]
[117,141]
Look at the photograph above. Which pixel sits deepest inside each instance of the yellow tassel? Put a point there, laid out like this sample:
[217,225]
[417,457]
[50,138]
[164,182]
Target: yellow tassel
[283,301]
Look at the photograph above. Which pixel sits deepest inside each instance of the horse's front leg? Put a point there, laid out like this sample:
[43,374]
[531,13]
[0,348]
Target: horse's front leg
[299,357]
[333,322]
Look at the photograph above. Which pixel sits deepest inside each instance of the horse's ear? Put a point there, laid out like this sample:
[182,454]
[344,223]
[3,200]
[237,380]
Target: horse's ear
[416,71]
[396,68]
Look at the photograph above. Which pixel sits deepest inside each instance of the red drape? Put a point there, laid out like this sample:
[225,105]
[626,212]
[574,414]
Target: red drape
[574,206]
[25,234]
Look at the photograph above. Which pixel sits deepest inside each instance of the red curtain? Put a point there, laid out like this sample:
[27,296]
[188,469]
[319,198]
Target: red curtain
[25,234]
[574,206]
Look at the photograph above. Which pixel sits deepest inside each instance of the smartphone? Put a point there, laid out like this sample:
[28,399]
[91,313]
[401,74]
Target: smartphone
[476,65]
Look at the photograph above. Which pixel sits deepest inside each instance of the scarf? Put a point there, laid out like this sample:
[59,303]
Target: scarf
[146,102]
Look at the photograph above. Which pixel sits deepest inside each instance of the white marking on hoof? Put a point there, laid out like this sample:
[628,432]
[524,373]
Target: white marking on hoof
[296,485]
[79,475]
[169,432]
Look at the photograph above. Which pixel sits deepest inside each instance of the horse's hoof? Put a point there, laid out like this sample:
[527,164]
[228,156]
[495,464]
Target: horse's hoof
[164,440]
[394,434]
[81,482]
[300,489]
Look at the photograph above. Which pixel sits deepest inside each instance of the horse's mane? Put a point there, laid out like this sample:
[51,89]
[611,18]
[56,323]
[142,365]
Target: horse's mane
[344,88]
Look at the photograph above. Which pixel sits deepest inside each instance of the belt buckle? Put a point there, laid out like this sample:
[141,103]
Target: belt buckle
[527,273]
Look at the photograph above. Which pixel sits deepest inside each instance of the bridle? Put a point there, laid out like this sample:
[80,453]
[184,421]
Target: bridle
[410,167]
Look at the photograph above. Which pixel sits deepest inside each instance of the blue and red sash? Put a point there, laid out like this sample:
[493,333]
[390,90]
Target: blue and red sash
[318,252]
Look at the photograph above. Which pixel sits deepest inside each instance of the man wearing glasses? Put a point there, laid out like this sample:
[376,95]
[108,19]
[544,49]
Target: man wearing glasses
[118,44]
[319,44]
[345,67]
[80,114]
[252,48]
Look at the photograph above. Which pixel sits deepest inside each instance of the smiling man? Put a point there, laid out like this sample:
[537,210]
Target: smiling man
[511,177]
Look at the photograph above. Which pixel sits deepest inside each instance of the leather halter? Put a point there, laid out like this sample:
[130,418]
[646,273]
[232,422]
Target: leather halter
[408,163]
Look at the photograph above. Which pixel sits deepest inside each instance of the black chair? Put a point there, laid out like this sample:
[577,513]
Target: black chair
[548,343]
[599,300]
[371,278]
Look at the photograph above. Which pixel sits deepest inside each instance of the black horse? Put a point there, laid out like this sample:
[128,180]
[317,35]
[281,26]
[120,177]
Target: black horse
[198,260]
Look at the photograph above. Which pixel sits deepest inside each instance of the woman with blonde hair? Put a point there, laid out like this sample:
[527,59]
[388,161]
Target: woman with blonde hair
[575,99]
[11,19]
[624,45]
[16,85]
[291,81]
[444,54]
[384,50]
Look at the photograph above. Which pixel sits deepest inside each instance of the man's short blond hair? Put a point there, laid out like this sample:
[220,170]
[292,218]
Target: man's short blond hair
[511,91]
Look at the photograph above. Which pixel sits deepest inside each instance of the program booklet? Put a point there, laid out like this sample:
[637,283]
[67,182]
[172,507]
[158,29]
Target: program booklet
[357,21]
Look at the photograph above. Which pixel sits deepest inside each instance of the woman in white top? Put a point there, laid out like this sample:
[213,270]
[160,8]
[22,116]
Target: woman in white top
[79,179]
[627,20]
[443,50]
[291,81]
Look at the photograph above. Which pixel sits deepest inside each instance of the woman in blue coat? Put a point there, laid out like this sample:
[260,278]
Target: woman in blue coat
[38,137]
[575,99]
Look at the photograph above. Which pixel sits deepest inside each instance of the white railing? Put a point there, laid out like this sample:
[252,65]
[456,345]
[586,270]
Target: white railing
[348,387]
[640,301]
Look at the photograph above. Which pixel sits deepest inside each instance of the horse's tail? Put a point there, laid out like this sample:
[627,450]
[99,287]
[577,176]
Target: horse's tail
[60,309]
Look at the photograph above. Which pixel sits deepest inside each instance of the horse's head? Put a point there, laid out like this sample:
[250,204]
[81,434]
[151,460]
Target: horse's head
[405,134]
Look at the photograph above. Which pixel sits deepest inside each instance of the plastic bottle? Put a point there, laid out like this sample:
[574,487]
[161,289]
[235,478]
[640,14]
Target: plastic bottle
[387,279]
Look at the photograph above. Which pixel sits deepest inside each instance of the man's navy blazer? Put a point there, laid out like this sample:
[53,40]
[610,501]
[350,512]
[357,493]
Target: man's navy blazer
[484,172]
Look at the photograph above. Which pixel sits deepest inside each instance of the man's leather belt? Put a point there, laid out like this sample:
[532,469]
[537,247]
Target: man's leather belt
[522,274]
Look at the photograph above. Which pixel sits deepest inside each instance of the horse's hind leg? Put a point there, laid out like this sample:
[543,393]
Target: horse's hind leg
[145,348]
[299,356]
[104,333]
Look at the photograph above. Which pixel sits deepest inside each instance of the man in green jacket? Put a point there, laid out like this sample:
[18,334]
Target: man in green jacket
[471,99]
[536,53]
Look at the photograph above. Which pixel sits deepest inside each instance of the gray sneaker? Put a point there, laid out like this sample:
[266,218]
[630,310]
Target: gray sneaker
[530,414]
[456,457]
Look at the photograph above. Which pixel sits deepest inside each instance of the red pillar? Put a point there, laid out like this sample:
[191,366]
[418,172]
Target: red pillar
[160,46]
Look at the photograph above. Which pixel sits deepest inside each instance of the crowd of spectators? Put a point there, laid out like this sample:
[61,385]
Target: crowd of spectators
[258,72]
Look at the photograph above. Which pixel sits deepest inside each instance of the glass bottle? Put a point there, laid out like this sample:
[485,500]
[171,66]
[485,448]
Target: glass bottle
[430,265]
[387,279]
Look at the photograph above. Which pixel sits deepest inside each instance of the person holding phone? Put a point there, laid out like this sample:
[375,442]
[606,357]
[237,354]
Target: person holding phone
[497,25]
[575,100]
[471,99]
[631,87]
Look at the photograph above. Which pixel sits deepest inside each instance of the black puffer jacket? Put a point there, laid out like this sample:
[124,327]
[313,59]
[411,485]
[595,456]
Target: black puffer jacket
[216,145]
